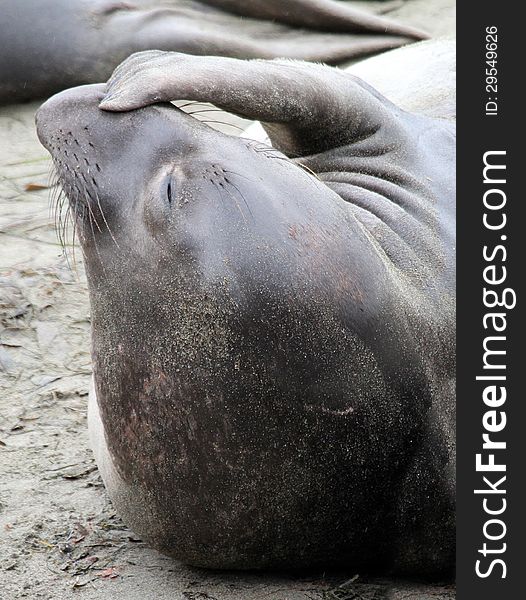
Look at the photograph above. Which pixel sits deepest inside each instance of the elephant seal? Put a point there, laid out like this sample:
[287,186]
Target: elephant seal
[49,45]
[273,329]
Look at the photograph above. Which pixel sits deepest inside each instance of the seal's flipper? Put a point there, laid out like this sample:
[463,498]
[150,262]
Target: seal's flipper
[326,15]
[211,32]
[305,108]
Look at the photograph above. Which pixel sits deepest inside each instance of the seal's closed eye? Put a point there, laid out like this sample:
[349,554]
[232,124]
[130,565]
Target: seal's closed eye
[169,190]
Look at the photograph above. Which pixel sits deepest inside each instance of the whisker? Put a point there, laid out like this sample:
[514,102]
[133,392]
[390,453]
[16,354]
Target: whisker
[52,180]
[191,103]
[271,153]
[93,236]
[63,236]
[204,110]
[258,146]
[104,219]
[239,175]
[308,169]
[59,219]
[91,213]
[239,192]
[235,201]
[73,233]
[207,121]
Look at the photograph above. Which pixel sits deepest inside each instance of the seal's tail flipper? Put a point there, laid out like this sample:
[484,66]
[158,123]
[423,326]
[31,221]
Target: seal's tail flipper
[322,15]
[264,30]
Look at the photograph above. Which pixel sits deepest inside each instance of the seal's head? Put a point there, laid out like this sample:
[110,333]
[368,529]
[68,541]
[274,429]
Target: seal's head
[156,183]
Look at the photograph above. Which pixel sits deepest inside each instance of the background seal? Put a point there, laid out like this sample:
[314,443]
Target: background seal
[49,45]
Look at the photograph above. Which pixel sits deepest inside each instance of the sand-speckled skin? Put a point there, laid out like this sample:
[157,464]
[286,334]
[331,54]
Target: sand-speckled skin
[273,351]
[49,45]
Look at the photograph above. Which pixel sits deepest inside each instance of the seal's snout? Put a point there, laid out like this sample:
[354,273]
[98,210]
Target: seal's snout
[75,113]
[74,131]
[108,164]
[64,109]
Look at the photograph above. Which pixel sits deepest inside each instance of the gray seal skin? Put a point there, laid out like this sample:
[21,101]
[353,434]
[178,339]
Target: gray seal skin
[49,45]
[273,328]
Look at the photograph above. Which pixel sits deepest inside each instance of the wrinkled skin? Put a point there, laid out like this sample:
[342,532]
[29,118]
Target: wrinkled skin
[273,350]
[49,45]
